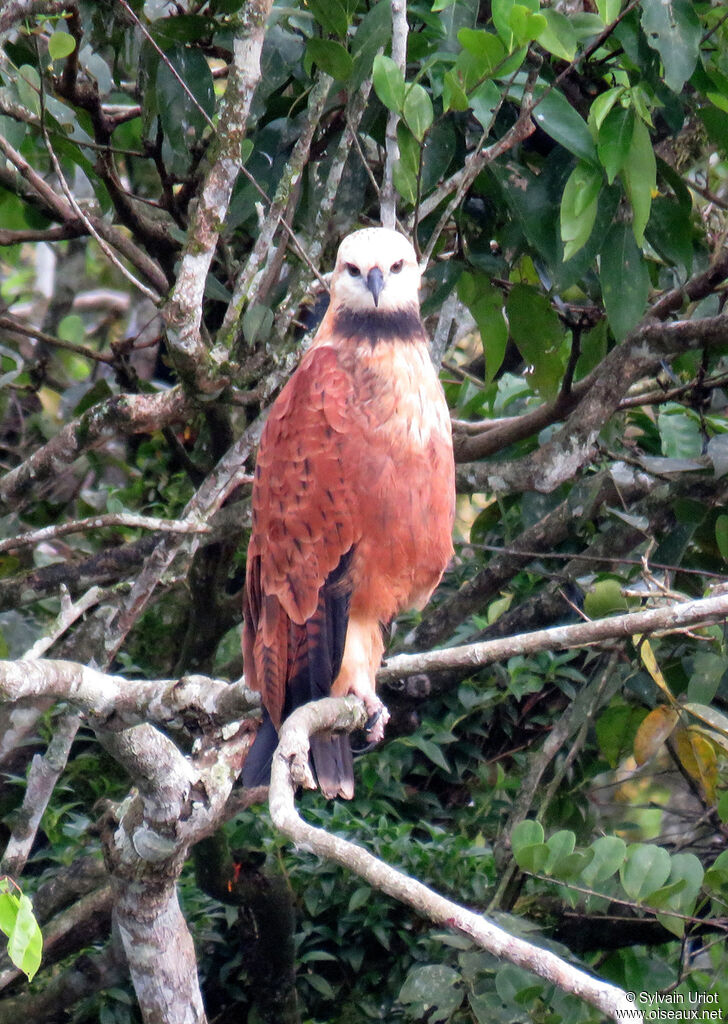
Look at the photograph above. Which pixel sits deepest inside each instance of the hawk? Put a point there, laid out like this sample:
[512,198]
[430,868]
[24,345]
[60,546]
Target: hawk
[353,503]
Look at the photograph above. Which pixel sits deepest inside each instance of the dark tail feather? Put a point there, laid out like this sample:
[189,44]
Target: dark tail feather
[334,765]
[256,770]
[331,756]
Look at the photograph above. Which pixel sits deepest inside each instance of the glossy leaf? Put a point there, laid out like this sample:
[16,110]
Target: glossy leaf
[639,171]
[388,83]
[433,991]
[645,869]
[526,833]
[579,207]
[485,46]
[484,102]
[602,105]
[565,125]
[624,279]
[558,37]
[330,14]
[18,923]
[721,535]
[330,57]
[609,855]
[673,29]
[537,331]
[417,111]
[60,45]
[615,139]
[604,598]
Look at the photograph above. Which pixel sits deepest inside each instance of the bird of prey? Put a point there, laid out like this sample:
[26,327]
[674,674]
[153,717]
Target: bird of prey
[353,503]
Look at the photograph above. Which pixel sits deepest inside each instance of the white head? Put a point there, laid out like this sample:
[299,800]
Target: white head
[376,268]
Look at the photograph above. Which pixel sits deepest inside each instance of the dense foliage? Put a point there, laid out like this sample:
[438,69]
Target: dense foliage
[564,170]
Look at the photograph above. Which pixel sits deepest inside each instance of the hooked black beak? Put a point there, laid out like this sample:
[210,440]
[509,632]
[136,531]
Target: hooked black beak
[375,283]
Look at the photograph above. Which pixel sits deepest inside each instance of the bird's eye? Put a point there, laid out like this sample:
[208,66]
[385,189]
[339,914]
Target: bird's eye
[396,267]
[353,269]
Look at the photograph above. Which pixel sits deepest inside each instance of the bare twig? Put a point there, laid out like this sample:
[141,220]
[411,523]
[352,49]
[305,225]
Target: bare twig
[127,520]
[290,768]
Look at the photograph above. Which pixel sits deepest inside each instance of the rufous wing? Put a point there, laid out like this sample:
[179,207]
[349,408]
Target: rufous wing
[305,530]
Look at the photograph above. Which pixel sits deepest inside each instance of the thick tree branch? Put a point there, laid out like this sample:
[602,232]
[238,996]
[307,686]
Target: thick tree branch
[290,767]
[573,445]
[470,657]
[114,703]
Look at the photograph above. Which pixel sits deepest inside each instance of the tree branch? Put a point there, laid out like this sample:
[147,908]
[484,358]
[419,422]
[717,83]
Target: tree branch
[126,414]
[673,618]
[290,767]
[573,444]
[388,198]
[183,312]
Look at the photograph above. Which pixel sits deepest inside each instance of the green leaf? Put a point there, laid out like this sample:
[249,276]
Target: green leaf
[670,232]
[504,18]
[673,29]
[28,86]
[624,279]
[639,173]
[485,302]
[372,35]
[646,868]
[526,25]
[560,845]
[537,332]
[484,102]
[615,139]
[721,536]
[257,322]
[579,207]
[681,894]
[680,433]
[71,329]
[184,112]
[602,105]
[454,96]
[609,10]
[417,111]
[388,83]
[616,728]
[25,941]
[565,125]
[434,991]
[709,716]
[330,14]
[404,173]
[558,37]
[526,833]
[60,45]
[485,46]
[331,57]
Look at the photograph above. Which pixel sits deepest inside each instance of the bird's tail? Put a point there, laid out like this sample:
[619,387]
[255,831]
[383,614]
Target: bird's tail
[330,753]
[256,770]
[333,764]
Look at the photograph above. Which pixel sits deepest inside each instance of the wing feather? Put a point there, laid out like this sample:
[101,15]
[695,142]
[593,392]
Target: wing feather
[305,527]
